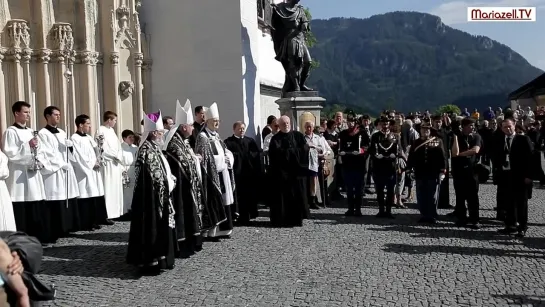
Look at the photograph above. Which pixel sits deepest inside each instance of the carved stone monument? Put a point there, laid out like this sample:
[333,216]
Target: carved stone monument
[298,106]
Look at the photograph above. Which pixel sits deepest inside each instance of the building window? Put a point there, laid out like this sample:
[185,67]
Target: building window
[264,13]
[260,9]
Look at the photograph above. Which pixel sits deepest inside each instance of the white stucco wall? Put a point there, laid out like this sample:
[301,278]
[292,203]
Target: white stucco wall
[196,51]
[211,51]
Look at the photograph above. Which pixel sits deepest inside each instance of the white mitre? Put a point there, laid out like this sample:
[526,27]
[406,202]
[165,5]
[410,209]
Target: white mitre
[151,125]
[184,116]
[212,112]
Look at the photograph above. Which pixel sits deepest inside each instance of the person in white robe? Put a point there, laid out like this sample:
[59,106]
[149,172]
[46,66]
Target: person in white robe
[112,166]
[7,219]
[217,163]
[25,182]
[86,165]
[61,187]
[129,159]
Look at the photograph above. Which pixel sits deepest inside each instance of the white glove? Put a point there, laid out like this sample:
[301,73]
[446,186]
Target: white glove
[342,153]
[355,152]
[393,156]
[65,167]
[379,156]
[68,143]
[441,177]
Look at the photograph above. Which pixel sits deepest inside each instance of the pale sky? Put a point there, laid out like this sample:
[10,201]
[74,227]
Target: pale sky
[526,38]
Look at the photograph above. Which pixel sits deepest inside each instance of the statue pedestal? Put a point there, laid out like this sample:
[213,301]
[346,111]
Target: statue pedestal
[301,107]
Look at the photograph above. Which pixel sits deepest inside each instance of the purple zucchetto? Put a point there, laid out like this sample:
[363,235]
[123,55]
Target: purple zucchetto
[154,116]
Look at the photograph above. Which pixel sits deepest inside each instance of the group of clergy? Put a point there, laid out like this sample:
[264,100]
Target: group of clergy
[180,185]
[52,184]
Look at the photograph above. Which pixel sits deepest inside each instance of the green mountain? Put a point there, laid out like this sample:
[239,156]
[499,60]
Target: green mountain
[411,61]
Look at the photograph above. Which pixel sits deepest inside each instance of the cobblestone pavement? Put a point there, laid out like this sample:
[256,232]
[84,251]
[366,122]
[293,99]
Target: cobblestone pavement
[331,261]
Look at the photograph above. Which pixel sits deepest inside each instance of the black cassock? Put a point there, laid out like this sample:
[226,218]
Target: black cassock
[152,238]
[187,196]
[247,171]
[288,160]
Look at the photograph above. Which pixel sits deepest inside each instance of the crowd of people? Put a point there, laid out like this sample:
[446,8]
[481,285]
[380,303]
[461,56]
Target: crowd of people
[179,183]
[423,151]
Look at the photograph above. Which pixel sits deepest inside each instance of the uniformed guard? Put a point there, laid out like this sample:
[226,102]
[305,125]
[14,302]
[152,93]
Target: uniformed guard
[353,145]
[427,158]
[384,152]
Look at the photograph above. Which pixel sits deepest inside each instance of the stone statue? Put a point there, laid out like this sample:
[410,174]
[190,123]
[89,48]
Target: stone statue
[289,25]
[126,88]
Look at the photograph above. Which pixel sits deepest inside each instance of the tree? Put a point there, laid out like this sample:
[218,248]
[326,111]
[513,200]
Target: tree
[449,109]
[310,39]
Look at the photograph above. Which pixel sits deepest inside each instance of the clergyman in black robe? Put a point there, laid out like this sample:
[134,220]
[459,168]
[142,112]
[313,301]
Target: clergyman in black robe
[187,196]
[152,237]
[288,160]
[247,171]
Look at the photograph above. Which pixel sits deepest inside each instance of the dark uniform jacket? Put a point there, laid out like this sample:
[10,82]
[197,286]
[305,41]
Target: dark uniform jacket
[427,158]
[350,143]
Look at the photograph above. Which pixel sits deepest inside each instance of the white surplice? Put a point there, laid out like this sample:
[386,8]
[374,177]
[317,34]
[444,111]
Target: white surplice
[7,219]
[57,180]
[129,159]
[85,158]
[23,184]
[222,166]
[112,171]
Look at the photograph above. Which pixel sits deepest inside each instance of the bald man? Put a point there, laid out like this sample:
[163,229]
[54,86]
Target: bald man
[288,165]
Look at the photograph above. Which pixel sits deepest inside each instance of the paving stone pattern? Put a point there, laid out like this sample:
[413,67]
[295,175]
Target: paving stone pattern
[331,261]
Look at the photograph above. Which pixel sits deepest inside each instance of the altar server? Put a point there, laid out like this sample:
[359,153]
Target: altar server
[112,166]
[86,165]
[129,159]
[61,187]
[25,182]
[7,220]
[217,162]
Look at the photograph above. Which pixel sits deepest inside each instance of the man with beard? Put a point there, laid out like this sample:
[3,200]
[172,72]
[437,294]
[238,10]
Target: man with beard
[187,197]
[152,237]
[247,171]
[352,146]
[427,158]
[384,151]
[441,132]
[218,180]
[288,159]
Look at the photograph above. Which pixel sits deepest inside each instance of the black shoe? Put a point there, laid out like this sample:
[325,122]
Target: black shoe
[96,227]
[382,215]
[447,206]
[475,226]
[521,234]
[349,213]
[461,223]
[109,222]
[314,206]
[358,213]
[389,215]
[452,214]
[426,220]
[507,231]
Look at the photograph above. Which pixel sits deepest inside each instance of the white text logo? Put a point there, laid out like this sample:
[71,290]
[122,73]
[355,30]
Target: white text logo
[520,14]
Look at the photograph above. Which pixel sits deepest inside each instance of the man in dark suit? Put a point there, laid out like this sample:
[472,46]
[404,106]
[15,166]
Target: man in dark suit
[512,161]
[198,125]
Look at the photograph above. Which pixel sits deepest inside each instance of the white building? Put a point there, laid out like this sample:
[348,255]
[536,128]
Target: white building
[213,51]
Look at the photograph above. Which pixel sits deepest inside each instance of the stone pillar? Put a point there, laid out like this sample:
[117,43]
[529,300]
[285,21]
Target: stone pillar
[298,106]
[4,110]
[64,54]
[87,100]
[138,61]
[43,84]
